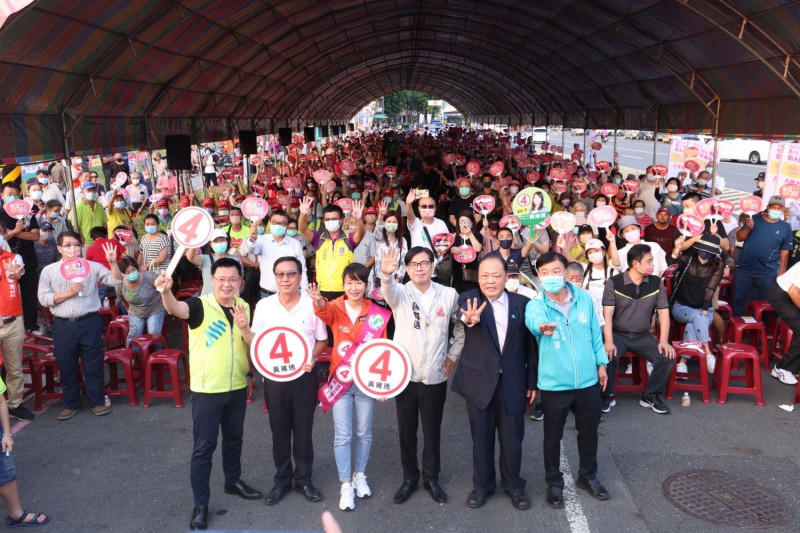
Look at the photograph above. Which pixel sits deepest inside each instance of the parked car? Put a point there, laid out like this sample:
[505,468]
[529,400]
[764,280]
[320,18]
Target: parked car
[645,135]
[539,135]
[751,150]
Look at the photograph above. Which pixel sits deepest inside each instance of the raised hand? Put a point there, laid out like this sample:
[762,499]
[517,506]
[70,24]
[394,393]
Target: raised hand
[472,315]
[314,292]
[111,253]
[240,316]
[305,205]
[163,282]
[412,195]
[253,232]
[546,328]
[389,261]
[358,209]
[383,207]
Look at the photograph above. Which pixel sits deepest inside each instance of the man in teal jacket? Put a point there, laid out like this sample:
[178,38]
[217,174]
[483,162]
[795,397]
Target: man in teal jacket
[572,372]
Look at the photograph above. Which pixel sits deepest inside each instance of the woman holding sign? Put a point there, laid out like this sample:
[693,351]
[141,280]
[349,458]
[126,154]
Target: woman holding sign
[351,318]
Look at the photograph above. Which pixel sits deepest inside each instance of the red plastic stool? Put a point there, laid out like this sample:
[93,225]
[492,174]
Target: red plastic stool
[725,289]
[781,340]
[42,363]
[734,333]
[678,330]
[170,358]
[757,308]
[689,349]
[146,344]
[728,353]
[117,333]
[125,358]
[724,307]
[108,314]
[638,375]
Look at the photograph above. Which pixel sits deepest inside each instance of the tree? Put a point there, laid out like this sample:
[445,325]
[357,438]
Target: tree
[414,102]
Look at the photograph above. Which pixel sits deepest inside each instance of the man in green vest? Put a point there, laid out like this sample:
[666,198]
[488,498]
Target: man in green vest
[219,336]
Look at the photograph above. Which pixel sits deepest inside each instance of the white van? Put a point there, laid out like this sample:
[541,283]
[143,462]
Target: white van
[751,150]
[539,136]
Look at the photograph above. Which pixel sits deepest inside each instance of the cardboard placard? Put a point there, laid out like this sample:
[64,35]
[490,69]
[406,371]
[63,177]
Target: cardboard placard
[531,206]
[483,204]
[497,168]
[602,216]
[690,225]
[609,189]
[751,205]
[562,221]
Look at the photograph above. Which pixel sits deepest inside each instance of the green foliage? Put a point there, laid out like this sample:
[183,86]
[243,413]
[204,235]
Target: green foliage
[412,101]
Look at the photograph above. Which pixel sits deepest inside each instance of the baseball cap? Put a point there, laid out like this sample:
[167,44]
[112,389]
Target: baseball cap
[370,211]
[513,269]
[163,203]
[663,210]
[594,244]
[777,199]
[88,185]
[583,228]
[629,220]
[217,233]
[761,176]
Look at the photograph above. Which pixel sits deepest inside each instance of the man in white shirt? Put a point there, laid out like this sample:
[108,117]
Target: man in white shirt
[785,299]
[268,248]
[291,404]
[631,231]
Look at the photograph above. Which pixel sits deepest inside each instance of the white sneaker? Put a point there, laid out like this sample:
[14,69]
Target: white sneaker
[360,484]
[784,376]
[613,402]
[347,500]
[682,368]
[629,370]
[711,363]
[649,368]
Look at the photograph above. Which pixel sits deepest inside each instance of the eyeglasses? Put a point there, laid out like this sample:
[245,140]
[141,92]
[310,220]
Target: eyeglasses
[286,275]
[71,245]
[416,265]
[227,281]
[428,206]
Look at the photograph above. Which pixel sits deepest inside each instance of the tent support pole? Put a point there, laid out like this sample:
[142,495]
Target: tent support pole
[71,190]
[655,134]
[715,132]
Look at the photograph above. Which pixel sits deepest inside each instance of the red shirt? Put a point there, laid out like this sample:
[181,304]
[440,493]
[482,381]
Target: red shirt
[95,251]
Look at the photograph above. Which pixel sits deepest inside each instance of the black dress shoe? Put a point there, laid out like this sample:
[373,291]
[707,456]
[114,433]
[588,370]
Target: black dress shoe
[199,518]
[593,487]
[404,492]
[555,497]
[519,500]
[437,493]
[309,491]
[243,490]
[275,495]
[477,498]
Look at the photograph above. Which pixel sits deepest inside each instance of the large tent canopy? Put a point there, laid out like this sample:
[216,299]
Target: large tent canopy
[120,75]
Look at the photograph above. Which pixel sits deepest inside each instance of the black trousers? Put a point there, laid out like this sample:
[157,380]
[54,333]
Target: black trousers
[210,413]
[789,313]
[585,404]
[646,346]
[28,286]
[210,179]
[510,429]
[426,402]
[291,407]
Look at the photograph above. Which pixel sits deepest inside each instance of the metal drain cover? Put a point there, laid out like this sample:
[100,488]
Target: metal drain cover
[723,498]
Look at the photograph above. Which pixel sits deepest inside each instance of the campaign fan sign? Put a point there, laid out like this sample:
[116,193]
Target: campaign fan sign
[750,205]
[465,254]
[483,204]
[531,206]
[602,216]
[691,155]
[562,221]
[511,222]
[690,225]
[714,208]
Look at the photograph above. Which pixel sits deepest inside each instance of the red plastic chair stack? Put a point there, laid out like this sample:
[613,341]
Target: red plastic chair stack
[757,308]
[42,363]
[735,330]
[124,357]
[117,333]
[108,314]
[638,375]
[694,350]
[146,344]
[726,289]
[781,340]
[735,352]
[170,358]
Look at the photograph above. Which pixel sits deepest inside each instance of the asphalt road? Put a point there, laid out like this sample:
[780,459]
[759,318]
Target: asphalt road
[638,155]
[129,471]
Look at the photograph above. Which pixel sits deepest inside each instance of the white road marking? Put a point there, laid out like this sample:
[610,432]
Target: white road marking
[572,505]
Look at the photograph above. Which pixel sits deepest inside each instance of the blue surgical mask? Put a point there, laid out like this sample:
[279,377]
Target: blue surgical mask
[463,191]
[120,205]
[702,183]
[36,195]
[151,229]
[261,230]
[11,198]
[278,231]
[219,247]
[387,199]
[132,277]
[505,244]
[356,196]
[775,214]
[43,181]
[291,232]
[702,254]
[552,284]
[617,180]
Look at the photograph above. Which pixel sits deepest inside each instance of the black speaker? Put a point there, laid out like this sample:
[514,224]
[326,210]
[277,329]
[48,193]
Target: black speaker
[308,134]
[351,126]
[323,132]
[247,142]
[334,131]
[342,129]
[285,136]
[179,152]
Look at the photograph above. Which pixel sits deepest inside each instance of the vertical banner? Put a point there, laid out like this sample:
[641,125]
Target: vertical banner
[783,166]
[689,156]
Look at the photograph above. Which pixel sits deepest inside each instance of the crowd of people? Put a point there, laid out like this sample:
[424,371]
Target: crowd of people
[527,319]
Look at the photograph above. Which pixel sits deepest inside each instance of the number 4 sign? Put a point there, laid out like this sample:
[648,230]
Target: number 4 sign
[382,368]
[279,353]
[191,228]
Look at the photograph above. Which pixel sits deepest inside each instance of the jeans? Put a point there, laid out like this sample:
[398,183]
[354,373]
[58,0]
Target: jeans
[697,323]
[353,401]
[745,282]
[137,323]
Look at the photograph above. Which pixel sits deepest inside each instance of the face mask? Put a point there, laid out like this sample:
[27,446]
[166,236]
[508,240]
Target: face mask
[120,205]
[705,256]
[595,257]
[463,191]
[135,181]
[505,244]
[650,177]
[387,199]
[487,184]
[512,285]
[44,181]
[775,214]
[210,210]
[118,160]
[332,226]
[702,183]
[163,211]
[151,229]
[575,230]
[91,196]
[648,270]
[261,230]
[55,214]
[638,210]
[672,187]
[565,202]
[356,196]
[11,198]
[395,197]
[617,180]
[552,284]
[632,236]
[36,195]
[291,232]
[219,247]
[276,230]
[391,227]
[599,204]
[115,186]
[580,215]
[133,276]
[513,190]
[2,240]
[224,213]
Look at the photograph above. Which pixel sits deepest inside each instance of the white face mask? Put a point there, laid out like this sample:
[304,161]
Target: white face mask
[512,285]
[595,257]
[332,226]
[672,187]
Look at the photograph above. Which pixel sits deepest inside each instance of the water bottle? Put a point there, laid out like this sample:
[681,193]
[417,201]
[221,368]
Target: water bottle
[108,401]
[105,302]
[686,401]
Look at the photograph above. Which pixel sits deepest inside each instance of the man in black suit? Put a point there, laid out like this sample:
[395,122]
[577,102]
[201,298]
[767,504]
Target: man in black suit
[495,375]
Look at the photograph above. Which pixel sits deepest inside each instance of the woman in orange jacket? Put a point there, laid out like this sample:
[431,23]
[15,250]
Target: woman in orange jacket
[346,316]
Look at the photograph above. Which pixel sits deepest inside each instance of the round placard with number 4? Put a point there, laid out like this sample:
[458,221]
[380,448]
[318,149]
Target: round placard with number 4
[279,353]
[192,227]
[382,368]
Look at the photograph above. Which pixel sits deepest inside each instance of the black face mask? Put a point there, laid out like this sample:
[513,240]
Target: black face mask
[487,184]
[505,244]
[705,256]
